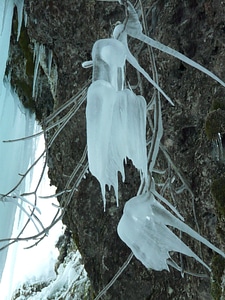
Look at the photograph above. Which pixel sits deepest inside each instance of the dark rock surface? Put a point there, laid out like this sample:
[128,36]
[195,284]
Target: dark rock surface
[196,28]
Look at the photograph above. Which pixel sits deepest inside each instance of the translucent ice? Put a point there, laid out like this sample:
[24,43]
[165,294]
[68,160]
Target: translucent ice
[116,117]
[143,227]
[133,28]
[116,125]
[19,5]
[108,62]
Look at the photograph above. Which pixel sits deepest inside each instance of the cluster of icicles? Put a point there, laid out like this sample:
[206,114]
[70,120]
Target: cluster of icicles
[116,130]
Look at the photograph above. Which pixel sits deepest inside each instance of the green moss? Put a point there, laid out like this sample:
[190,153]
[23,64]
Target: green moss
[218,266]
[218,193]
[218,103]
[215,123]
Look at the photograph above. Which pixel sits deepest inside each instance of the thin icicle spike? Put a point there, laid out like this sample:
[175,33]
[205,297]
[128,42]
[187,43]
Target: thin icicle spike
[120,34]
[19,5]
[133,28]
[143,227]
[36,67]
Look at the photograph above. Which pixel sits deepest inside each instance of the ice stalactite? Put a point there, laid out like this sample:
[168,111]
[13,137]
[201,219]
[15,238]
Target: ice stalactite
[116,128]
[116,118]
[43,57]
[143,227]
[133,28]
[19,5]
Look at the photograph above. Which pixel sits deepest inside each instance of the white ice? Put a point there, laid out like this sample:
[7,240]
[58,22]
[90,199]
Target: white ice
[133,28]
[143,227]
[116,118]
[19,5]
[109,57]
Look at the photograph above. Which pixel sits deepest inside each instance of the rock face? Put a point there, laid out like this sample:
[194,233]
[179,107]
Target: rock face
[196,28]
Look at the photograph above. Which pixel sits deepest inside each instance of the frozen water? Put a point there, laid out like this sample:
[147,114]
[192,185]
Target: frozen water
[143,227]
[116,125]
[2,14]
[14,157]
[19,5]
[108,62]
[6,20]
[133,28]
[116,117]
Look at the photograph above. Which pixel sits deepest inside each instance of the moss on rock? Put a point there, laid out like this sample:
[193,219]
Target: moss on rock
[218,266]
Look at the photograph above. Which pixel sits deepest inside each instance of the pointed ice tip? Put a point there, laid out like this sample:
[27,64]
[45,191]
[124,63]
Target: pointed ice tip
[87,64]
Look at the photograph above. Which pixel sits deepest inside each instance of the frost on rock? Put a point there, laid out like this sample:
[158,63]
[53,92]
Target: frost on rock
[116,118]
[71,282]
[143,227]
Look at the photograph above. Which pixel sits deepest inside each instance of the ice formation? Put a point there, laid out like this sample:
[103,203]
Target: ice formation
[19,5]
[133,28]
[43,57]
[116,117]
[143,227]
[116,128]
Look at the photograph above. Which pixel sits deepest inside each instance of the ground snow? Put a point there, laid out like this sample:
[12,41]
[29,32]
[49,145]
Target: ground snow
[70,283]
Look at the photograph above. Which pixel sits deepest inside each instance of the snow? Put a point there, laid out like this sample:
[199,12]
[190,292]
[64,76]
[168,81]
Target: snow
[70,283]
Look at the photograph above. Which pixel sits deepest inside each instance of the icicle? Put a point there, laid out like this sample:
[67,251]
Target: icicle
[36,68]
[120,34]
[133,28]
[143,227]
[108,62]
[3,5]
[19,5]
[217,151]
[44,57]
[116,118]
[25,18]
[99,111]
[49,61]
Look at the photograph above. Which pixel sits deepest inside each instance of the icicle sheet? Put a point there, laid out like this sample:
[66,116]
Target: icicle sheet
[116,125]
[143,227]
[116,117]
